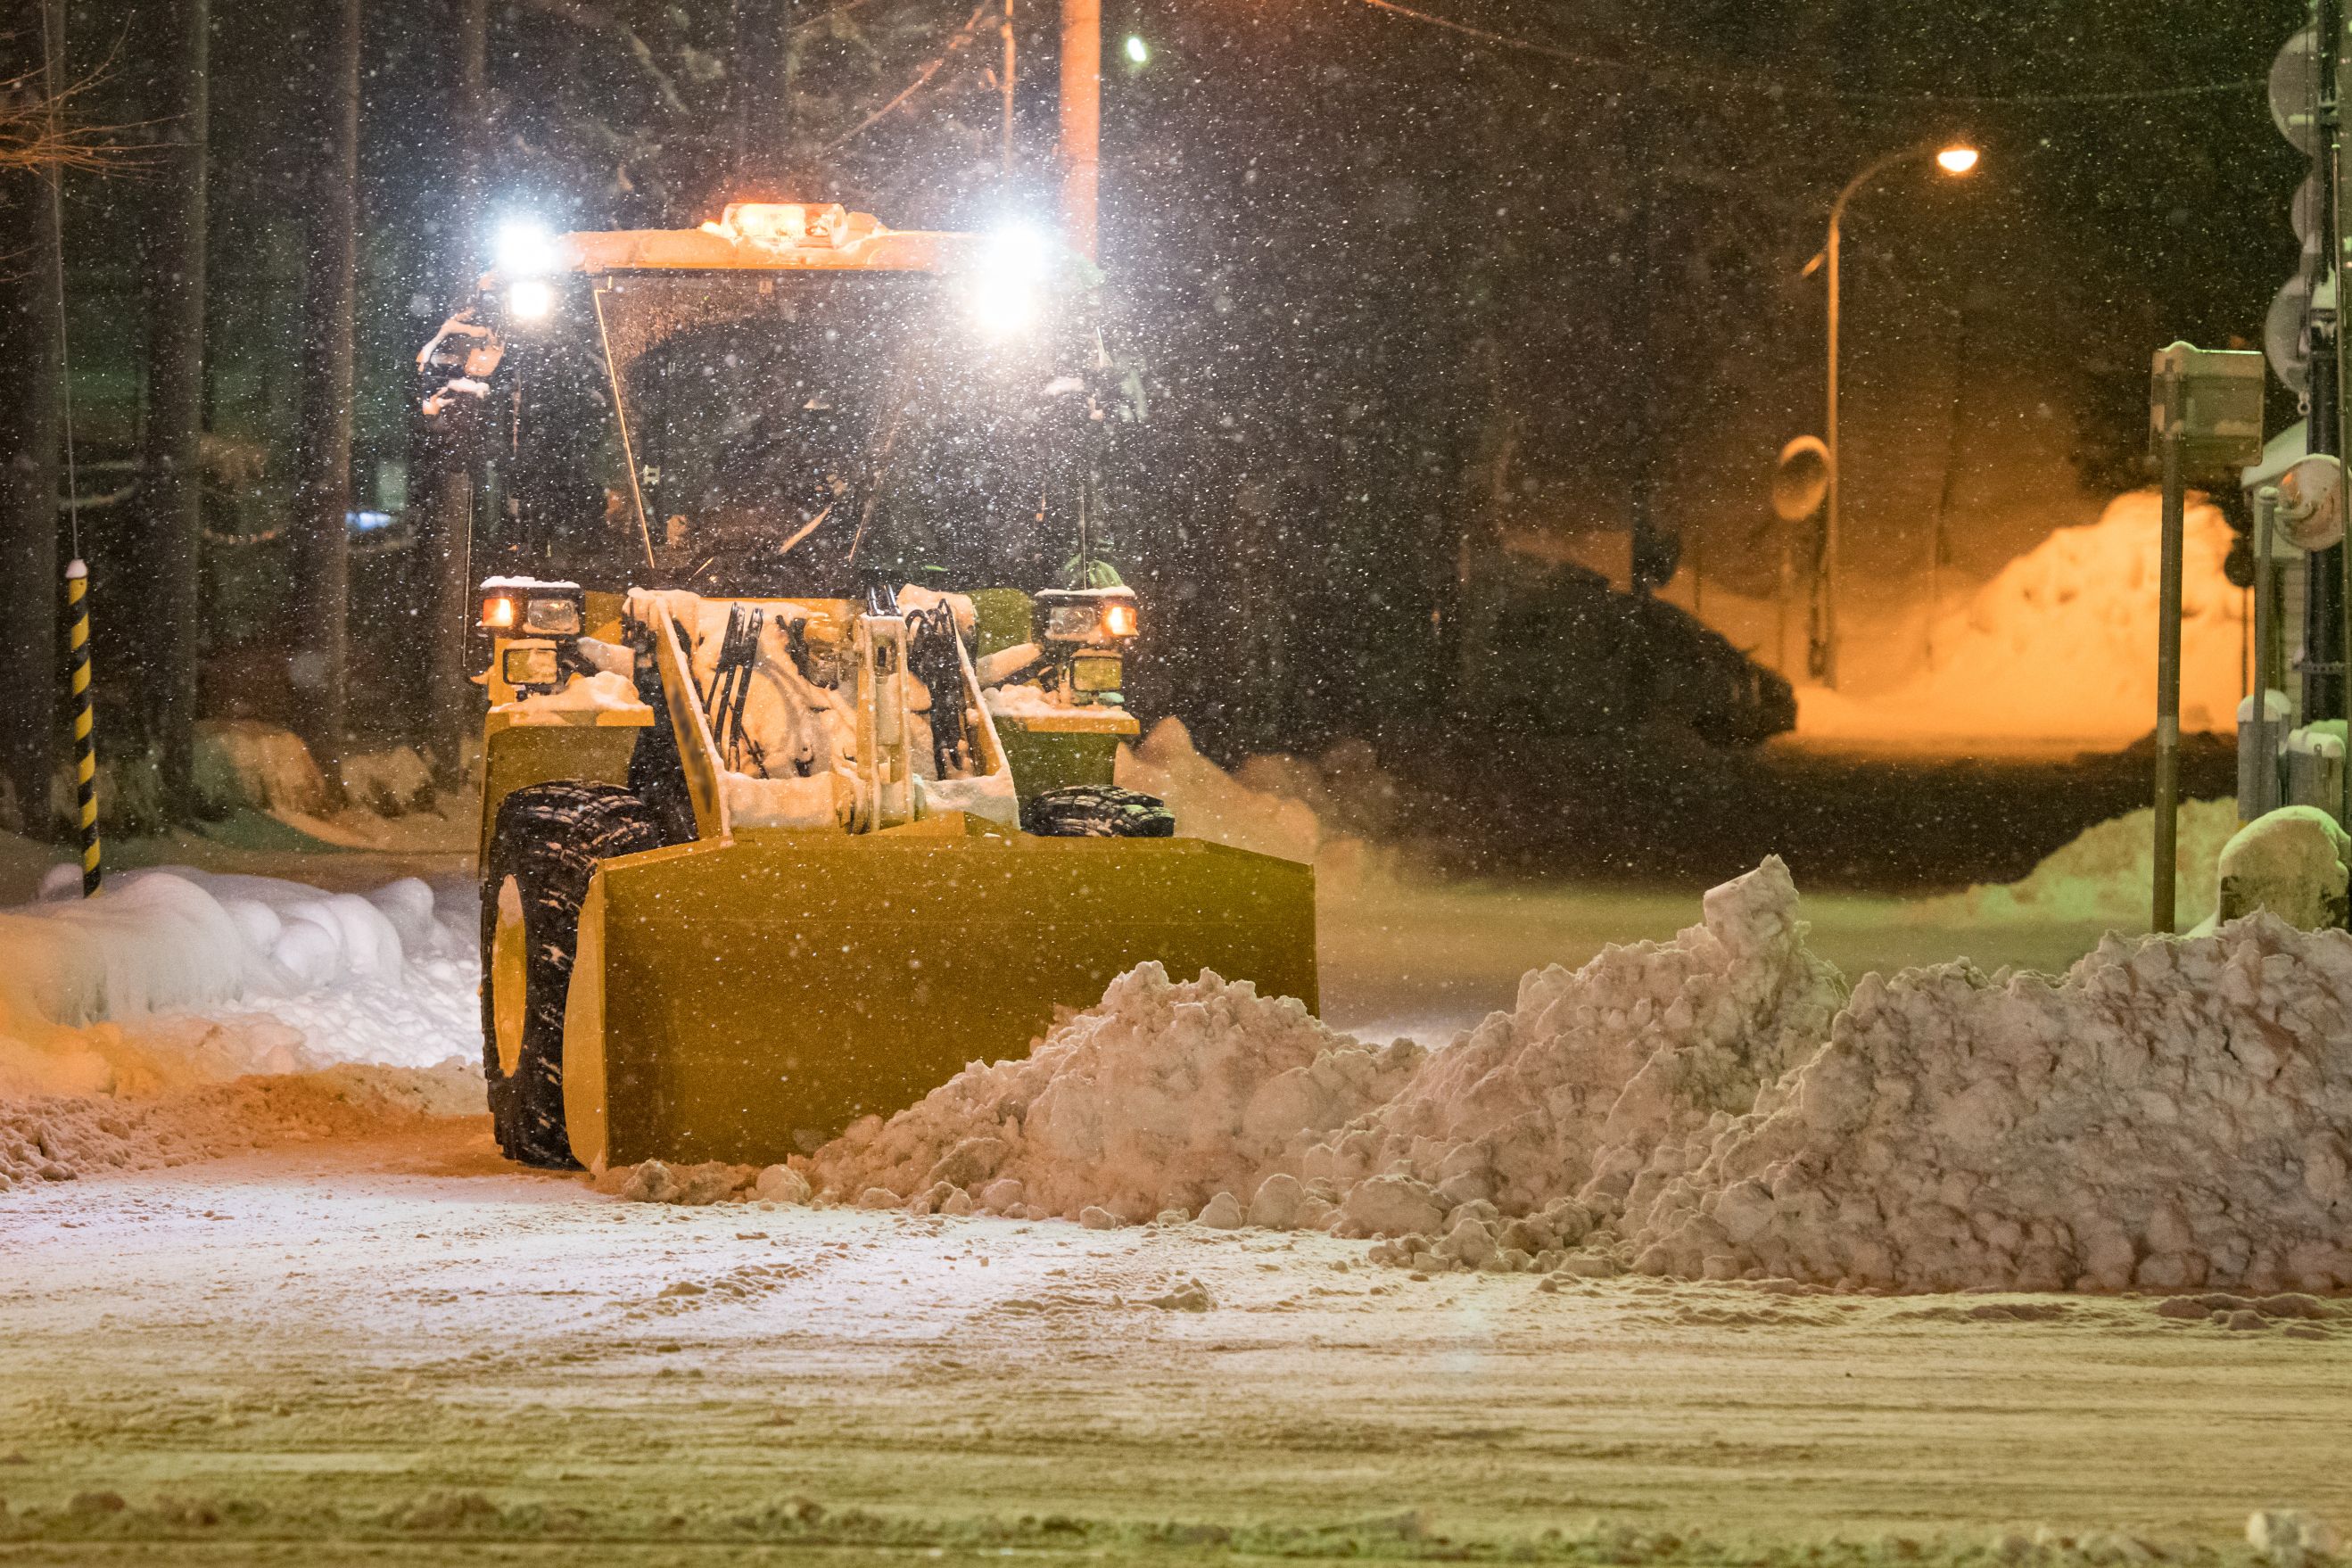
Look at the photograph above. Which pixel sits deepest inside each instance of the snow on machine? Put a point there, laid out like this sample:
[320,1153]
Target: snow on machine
[804,679]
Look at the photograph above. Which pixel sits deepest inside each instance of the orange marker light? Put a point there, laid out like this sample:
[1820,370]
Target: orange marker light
[1118,620]
[498,614]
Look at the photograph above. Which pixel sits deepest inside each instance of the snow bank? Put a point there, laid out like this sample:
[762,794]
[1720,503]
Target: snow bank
[56,1139]
[1565,1095]
[2061,645]
[241,763]
[245,765]
[1210,803]
[1165,1096]
[175,977]
[2169,1114]
[2105,874]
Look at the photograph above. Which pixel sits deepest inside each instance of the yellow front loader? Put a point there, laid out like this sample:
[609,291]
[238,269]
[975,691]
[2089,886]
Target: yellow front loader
[784,820]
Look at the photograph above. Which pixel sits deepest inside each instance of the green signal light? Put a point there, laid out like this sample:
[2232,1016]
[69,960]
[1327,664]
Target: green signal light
[1139,53]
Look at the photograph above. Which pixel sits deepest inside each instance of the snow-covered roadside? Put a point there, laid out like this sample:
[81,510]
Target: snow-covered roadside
[176,976]
[2169,1114]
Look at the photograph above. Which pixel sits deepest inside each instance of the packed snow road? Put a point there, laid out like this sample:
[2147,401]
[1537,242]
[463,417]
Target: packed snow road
[363,1338]
[377,1352]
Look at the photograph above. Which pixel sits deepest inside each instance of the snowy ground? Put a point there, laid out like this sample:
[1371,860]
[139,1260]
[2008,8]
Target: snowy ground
[395,1348]
[376,1351]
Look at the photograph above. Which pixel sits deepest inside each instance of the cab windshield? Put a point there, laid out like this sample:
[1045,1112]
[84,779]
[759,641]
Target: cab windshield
[796,433]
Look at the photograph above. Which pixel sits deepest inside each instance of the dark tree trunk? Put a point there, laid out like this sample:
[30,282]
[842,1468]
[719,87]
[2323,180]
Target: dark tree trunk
[324,464]
[172,474]
[30,586]
[446,524]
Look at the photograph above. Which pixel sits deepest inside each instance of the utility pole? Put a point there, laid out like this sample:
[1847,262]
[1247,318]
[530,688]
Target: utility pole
[1081,121]
[1004,87]
[171,479]
[322,496]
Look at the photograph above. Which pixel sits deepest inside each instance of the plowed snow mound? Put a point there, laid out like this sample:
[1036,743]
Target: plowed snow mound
[171,977]
[2105,874]
[1565,1095]
[60,1137]
[1166,1095]
[2170,1113]
[2061,646]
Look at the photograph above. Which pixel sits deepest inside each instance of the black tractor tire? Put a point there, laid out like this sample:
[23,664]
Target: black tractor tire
[546,842]
[1097,811]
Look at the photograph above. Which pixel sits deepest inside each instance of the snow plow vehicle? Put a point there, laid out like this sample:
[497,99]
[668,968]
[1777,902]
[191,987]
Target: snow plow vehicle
[804,676]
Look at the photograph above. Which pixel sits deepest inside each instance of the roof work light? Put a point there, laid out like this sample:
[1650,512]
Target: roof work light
[1008,287]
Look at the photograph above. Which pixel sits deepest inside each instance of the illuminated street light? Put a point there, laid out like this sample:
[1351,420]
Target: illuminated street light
[1953,158]
[1139,53]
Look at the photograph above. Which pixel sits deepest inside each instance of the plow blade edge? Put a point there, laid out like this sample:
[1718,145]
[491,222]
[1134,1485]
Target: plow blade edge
[746,1000]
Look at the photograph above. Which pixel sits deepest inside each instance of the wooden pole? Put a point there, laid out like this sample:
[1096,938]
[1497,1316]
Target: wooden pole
[1081,121]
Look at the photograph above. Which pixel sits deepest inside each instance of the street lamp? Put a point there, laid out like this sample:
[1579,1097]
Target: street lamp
[1952,158]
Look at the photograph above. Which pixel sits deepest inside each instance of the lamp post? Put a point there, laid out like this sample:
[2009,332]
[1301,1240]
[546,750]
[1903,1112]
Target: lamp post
[1952,158]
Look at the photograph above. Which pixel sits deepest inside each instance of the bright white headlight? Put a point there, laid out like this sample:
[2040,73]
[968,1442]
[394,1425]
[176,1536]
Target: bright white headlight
[530,300]
[1008,288]
[524,248]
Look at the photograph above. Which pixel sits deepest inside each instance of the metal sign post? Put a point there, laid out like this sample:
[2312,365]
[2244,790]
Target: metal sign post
[2205,413]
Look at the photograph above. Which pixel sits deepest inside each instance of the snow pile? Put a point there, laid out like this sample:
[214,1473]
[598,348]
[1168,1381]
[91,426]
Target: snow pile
[2169,1114]
[2061,645]
[2105,874]
[1210,803]
[175,977]
[1166,1096]
[241,763]
[1560,1101]
[56,1139]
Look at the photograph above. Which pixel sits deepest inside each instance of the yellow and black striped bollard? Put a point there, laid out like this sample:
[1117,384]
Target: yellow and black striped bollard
[85,739]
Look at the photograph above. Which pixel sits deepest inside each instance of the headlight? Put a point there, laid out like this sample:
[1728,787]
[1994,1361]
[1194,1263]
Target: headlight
[1073,623]
[552,617]
[527,604]
[1091,619]
[524,248]
[1009,287]
[531,299]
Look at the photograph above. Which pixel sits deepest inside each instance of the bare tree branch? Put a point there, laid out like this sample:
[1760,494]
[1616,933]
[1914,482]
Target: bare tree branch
[595,18]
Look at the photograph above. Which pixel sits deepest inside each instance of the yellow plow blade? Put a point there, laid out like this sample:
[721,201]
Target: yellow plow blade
[746,1000]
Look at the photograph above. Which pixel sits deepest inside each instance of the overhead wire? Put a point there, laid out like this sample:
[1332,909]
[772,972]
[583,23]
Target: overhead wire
[1723,82]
